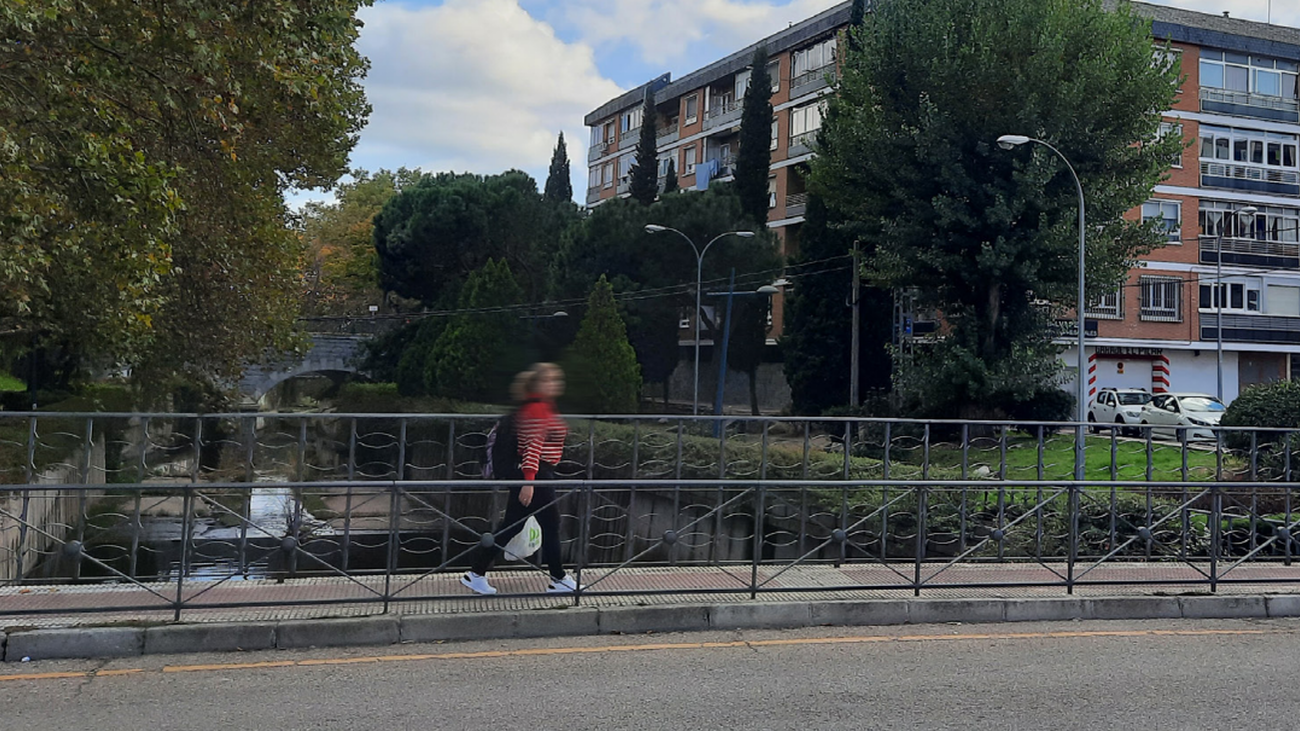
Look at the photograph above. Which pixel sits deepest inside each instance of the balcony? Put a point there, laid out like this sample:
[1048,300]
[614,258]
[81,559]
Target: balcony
[810,81]
[1247,104]
[599,150]
[593,195]
[1250,252]
[802,143]
[1252,328]
[629,138]
[1250,177]
[796,204]
[665,136]
[722,113]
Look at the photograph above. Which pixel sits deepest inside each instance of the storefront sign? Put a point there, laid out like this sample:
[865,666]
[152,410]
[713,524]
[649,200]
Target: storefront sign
[1113,351]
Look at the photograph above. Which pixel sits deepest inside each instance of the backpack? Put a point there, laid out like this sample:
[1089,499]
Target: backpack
[501,459]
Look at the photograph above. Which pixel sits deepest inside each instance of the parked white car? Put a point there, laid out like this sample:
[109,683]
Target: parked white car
[1198,411]
[1121,406]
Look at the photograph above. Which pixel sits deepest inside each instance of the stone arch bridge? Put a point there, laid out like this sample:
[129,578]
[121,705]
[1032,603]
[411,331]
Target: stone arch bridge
[328,354]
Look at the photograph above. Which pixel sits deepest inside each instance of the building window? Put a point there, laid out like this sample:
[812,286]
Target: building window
[593,179]
[631,119]
[688,164]
[1269,224]
[1248,74]
[609,132]
[1161,299]
[692,108]
[663,165]
[625,169]
[813,61]
[1249,147]
[1169,214]
[775,134]
[1167,59]
[742,83]
[607,175]
[1238,296]
[804,123]
[771,192]
[774,71]
[1170,128]
[1109,307]
[596,136]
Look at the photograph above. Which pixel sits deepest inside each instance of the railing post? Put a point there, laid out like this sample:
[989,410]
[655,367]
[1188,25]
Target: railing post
[347,499]
[29,475]
[759,509]
[83,497]
[1216,534]
[584,538]
[187,533]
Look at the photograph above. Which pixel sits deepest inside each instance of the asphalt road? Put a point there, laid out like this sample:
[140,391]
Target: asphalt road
[1072,675]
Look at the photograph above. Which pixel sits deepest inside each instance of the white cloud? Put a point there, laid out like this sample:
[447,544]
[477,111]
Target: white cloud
[663,30]
[474,85]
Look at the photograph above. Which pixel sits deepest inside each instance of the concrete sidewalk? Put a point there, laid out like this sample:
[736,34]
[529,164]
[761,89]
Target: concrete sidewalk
[44,622]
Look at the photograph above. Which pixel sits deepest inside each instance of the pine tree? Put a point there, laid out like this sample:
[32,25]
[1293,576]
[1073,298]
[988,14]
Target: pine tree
[670,178]
[755,156]
[644,186]
[603,374]
[559,188]
[476,355]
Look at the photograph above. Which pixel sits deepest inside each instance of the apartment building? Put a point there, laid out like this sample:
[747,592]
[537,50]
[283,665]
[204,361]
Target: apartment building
[1230,206]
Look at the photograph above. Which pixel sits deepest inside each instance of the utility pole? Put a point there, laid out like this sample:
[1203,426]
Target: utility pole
[853,347]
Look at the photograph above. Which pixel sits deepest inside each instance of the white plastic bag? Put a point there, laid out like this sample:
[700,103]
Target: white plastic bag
[526,541]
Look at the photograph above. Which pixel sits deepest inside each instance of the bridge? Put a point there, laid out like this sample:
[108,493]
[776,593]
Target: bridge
[328,354]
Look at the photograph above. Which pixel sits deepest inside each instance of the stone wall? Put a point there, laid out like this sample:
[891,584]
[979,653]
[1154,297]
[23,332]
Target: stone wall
[50,517]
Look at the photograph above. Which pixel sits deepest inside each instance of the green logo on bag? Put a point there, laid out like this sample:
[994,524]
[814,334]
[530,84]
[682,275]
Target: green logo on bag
[534,535]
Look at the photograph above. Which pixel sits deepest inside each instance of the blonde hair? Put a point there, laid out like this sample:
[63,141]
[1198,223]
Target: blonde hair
[526,382]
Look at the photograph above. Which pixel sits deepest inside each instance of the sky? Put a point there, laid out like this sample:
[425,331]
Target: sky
[484,86]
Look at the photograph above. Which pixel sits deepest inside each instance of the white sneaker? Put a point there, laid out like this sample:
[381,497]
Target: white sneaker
[477,583]
[565,585]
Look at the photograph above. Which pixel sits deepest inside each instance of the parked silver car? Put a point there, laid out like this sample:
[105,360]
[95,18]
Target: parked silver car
[1199,412]
[1121,406]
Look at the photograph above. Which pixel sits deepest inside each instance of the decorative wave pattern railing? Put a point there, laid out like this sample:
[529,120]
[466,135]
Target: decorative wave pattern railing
[192,502]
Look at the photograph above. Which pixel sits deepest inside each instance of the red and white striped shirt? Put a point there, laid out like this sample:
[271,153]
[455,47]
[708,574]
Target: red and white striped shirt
[541,436]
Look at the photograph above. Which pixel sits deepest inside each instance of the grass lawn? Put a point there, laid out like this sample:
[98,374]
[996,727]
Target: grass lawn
[1128,461]
[9,383]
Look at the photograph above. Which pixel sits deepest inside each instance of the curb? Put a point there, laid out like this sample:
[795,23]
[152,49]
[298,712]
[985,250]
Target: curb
[99,642]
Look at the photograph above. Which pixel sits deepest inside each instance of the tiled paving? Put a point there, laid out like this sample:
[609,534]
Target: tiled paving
[338,596]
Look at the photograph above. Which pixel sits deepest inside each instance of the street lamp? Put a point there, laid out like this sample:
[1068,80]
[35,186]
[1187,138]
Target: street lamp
[652,228]
[1007,142]
[1220,290]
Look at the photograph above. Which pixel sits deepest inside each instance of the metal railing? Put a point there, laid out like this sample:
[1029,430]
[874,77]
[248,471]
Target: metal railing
[1249,99]
[1254,173]
[178,512]
[1210,247]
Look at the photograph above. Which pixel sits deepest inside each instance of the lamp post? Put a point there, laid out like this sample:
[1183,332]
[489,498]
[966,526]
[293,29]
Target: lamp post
[1007,142]
[1219,291]
[652,228]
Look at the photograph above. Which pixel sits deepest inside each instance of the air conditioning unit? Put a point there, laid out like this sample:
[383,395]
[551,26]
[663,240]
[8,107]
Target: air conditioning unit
[684,323]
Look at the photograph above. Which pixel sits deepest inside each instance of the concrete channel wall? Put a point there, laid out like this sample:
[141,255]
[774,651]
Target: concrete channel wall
[50,517]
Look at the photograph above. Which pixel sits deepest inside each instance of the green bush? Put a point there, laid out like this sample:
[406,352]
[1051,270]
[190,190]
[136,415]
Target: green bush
[1269,405]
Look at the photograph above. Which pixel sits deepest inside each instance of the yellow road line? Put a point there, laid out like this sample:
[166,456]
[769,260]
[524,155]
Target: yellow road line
[655,647]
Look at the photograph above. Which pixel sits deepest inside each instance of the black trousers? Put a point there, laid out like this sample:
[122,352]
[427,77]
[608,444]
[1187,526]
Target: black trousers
[542,507]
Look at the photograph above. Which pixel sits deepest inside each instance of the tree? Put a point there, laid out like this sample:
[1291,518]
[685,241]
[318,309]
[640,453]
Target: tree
[755,155]
[559,186]
[857,14]
[603,374]
[819,321]
[434,233]
[656,273]
[670,177]
[982,234]
[340,267]
[644,185]
[478,353]
[144,153]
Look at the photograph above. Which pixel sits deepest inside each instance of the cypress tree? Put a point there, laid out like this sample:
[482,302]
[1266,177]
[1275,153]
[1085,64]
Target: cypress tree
[755,156]
[670,178]
[559,188]
[644,186]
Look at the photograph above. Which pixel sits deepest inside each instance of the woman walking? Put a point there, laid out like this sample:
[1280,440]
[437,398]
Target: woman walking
[541,433]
